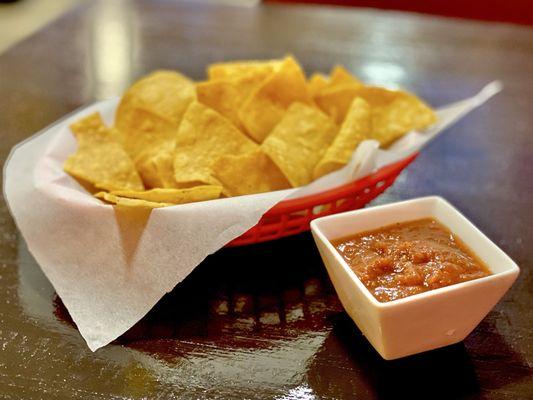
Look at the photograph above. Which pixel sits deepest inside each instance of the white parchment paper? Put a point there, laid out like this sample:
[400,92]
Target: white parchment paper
[109,267]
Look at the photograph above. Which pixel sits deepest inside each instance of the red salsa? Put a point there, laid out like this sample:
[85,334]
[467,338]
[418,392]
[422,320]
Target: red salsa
[407,258]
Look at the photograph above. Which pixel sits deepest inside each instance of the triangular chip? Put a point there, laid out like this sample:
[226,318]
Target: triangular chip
[227,95]
[100,160]
[157,169]
[394,112]
[355,128]
[299,141]
[156,166]
[248,173]
[341,76]
[151,110]
[174,196]
[239,69]
[205,135]
[336,94]
[151,132]
[401,114]
[126,202]
[335,100]
[266,105]
[316,83]
[166,94]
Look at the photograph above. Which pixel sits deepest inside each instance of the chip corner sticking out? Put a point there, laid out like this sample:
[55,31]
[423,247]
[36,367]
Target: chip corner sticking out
[335,100]
[203,136]
[164,93]
[341,76]
[335,97]
[152,108]
[265,106]
[227,95]
[299,141]
[126,202]
[395,113]
[155,166]
[316,83]
[99,159]
[92,124]
[248,173]
[355,128]
[173,196]
[239,69]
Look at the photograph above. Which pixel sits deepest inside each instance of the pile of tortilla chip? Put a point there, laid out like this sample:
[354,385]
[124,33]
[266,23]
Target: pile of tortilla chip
[251,127]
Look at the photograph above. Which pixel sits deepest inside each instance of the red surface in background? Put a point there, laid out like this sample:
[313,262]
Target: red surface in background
[516,11]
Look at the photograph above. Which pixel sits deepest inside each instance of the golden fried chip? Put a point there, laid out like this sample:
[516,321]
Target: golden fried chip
[395,113]
[239,69]
[100,159]
[205,135]
[176,142]
[248,173]
[227,95]
[231,83]
[174,196]
[126,202]
[316,83]
[340,76]
[151,132]
[299,141]
[156,166]
[355,128]
[335,100]
[402,115]
[166,94]
[335,96]
[151,110]
[265,106]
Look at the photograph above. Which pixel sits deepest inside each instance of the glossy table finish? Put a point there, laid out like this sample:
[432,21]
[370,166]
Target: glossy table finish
[263,321]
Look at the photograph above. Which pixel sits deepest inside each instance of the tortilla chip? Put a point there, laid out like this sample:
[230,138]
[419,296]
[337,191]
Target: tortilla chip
[395,113]
[403,114]
[265,106]
[166,94]
[227,95]
[239,69]
[316,83]
[151,110]
[157,169]
[126,202]
[340,76]
[91,126]
[248,173]
[156,166]
[355,128]
[150,133]
[205,135]
[299,142]
[100,160]
[335,100]
[335,96]
[173,196]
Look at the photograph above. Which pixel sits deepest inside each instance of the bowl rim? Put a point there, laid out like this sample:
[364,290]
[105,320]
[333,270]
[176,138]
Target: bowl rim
[512,268]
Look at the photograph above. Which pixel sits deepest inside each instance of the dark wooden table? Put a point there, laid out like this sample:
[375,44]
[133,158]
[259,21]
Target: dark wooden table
[263,322]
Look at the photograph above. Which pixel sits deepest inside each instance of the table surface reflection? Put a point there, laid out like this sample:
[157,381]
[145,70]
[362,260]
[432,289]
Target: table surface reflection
[263,321]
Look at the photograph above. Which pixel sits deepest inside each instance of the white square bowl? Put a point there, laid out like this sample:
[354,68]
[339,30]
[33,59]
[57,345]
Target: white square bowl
[423,321]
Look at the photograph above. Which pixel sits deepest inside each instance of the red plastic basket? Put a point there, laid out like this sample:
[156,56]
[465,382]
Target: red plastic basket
[290,217]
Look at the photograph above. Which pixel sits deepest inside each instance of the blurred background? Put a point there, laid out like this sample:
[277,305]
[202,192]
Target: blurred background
[20,18]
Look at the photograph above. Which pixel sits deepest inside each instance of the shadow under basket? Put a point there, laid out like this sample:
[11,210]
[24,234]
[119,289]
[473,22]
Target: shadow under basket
[290,217]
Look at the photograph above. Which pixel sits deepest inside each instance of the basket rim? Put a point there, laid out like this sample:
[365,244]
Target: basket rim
[291,205]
